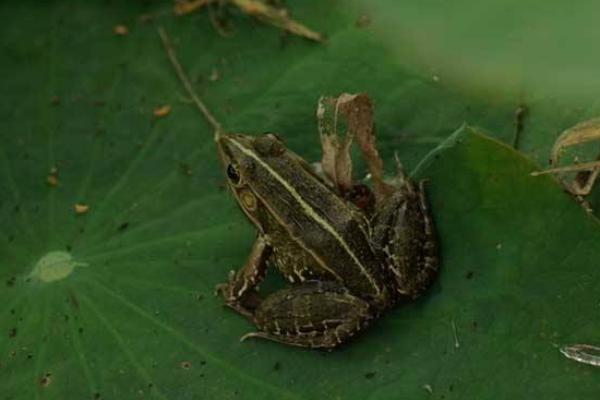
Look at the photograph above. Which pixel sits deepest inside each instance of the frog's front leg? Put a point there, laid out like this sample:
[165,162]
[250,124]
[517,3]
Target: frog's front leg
[314,314]
[245,280]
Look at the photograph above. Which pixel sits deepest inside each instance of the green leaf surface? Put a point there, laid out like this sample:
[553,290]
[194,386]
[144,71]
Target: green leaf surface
[118,302]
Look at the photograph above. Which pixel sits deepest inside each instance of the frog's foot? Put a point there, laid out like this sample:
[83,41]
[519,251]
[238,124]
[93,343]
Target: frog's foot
[249,276]
[244,303]
[316,315]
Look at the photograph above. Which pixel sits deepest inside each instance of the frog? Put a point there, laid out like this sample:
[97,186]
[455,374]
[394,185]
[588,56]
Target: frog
[346,265]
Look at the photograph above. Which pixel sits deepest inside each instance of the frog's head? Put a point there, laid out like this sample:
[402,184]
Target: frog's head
[247,162]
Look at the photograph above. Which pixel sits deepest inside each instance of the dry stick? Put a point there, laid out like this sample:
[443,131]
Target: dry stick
[187,84]
[588,166]
[518,122]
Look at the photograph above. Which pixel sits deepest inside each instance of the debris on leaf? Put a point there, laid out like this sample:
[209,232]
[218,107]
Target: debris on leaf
[214,75]
[278,17]
[587,172]
[185,365]
[185,169]
[81,208]
[46,380]
[455,334]
[52,178]
[363,21]
[183,7]
[583,353]
[162,111]
[356,122]
[120,30]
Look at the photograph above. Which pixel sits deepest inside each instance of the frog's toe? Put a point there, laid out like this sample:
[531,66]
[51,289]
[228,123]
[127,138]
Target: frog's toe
[250,335]
[220,289]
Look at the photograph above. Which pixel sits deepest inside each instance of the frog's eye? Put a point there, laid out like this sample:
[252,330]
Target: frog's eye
[233,174]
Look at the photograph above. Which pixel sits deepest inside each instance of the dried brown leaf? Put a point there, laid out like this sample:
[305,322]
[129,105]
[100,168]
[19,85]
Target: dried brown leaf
[81,208]
[120,30]
[588,172]
[162,111]
[336,161]
[342,120]
[358,111]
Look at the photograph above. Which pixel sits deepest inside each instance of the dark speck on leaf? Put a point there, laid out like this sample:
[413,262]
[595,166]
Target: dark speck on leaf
[11,238]
[80,330]
[68,247]
[123,226]
[185,169]
[11,281]
[370,375]
[12,332]
[46,380]
[474,325]
[469,274]
[277,366]
[96,396]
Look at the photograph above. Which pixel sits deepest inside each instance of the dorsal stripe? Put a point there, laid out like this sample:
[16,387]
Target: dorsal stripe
[309,211]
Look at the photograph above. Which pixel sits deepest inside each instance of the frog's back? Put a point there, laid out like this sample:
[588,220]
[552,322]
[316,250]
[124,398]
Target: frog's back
[321,223]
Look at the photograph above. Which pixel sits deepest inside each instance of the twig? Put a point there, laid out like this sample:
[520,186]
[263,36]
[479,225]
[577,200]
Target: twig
[186,82]
[588,166]
[519,118]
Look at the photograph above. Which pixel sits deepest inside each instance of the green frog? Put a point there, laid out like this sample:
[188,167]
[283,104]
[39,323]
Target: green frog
[346,265]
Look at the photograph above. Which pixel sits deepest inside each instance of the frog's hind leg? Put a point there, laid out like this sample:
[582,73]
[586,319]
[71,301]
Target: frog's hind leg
[404,234]
[314,314]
